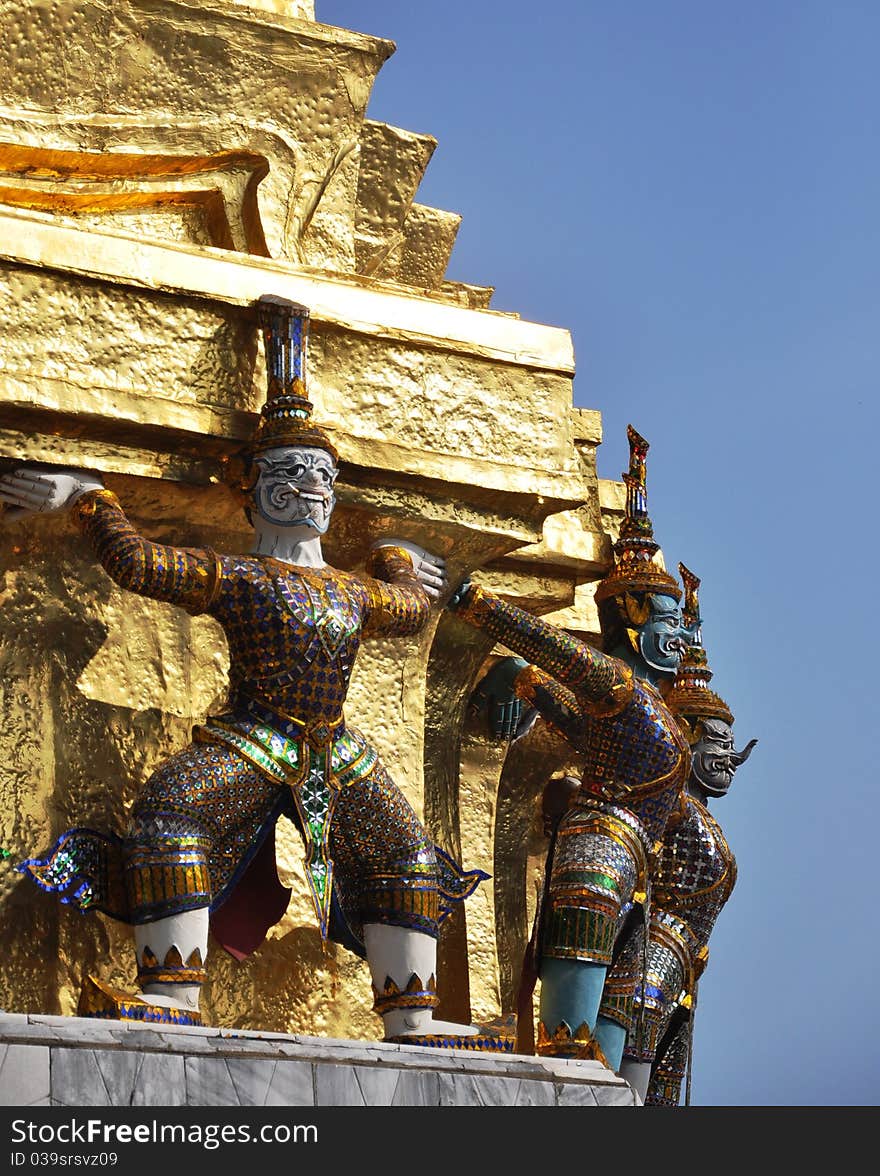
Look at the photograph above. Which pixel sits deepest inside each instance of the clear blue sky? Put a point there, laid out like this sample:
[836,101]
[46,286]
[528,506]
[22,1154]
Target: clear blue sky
[693,190]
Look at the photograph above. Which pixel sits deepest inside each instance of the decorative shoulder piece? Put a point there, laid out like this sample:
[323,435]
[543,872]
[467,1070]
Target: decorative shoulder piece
[619,695]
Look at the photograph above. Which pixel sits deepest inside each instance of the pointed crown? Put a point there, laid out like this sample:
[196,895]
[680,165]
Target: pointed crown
[691,607]
[286,417]
[690,696]
[634,567]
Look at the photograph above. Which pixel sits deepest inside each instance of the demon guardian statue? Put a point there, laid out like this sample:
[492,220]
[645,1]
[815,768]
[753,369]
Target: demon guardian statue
[197,853]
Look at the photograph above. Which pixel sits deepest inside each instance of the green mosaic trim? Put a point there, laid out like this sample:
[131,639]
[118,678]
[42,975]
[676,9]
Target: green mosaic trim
[314,797]
[286,750]
[346,748]
[253,751]
[577,933]
[318,873]
[605,881]
[359,769]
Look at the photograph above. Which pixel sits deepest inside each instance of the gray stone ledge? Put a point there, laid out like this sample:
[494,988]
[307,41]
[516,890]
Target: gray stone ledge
[78,1061]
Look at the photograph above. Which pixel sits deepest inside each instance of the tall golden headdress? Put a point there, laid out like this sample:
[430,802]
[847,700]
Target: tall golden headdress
[286,417]
[634,567]
[690,698]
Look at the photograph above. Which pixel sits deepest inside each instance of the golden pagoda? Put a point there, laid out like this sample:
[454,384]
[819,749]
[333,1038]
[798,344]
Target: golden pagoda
[163,164]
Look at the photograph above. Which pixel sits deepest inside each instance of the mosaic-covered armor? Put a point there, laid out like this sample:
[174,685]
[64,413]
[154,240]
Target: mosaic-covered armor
[282,745]
[695,872]
[694,878]
[611,710]
[636,763]
[670,1072]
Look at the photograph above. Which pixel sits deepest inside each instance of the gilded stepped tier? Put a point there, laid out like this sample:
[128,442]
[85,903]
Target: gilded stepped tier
[163,164]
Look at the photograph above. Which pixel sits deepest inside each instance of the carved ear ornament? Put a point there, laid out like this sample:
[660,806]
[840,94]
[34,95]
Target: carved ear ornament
[239,474]
[691,608]
[691,734]
[637,612]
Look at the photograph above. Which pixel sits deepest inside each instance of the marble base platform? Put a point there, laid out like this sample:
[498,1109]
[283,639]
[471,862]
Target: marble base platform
[78,1061]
